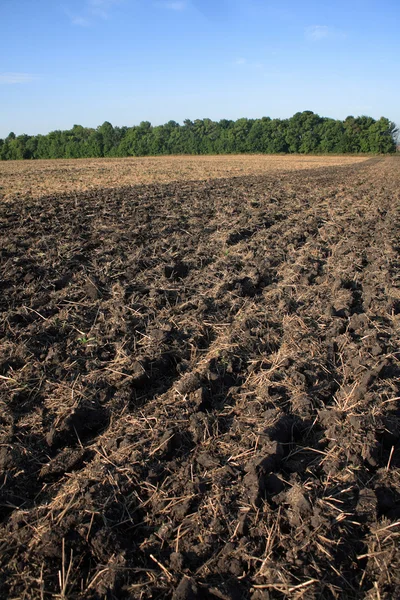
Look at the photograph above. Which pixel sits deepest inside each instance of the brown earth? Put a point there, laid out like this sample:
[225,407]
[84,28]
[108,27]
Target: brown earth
[36,178]
[200,389]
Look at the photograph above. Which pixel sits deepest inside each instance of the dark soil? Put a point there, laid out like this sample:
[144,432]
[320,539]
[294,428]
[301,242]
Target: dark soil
[199,390]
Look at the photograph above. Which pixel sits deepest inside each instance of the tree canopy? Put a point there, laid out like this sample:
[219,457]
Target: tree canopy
[304,133]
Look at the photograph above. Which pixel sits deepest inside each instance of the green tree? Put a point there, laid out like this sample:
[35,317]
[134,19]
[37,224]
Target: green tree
[302,132]
[382,136]
[305,132]
[331,134]
[106,132]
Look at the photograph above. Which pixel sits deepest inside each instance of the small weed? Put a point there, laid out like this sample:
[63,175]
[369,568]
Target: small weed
[85,340]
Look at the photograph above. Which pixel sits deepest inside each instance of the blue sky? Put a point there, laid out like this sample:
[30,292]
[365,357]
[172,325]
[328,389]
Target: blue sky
[87,61]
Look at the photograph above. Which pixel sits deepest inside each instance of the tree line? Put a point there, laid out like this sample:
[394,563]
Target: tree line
[304,133]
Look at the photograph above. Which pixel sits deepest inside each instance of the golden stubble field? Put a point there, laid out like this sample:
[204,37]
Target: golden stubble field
[47,177]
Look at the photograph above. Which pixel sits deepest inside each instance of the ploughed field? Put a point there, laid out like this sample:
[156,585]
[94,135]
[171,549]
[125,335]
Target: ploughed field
[199,389]
[35,178]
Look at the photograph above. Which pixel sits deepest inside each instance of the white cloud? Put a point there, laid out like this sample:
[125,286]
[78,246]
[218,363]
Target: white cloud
[11,78]
[80,21]
[102,3]
[101,8]
[173,4]
[249,64]
[317,32]
[91,10]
